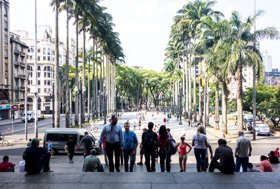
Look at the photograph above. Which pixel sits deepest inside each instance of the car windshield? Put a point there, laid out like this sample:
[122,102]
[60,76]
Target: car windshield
[262,126]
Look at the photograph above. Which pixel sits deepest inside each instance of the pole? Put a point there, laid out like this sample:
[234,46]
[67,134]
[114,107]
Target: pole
[25,109]
[254,82]
[204,105]
[53,105]
[70,93]
[35,74]
[12,122]
[80,104]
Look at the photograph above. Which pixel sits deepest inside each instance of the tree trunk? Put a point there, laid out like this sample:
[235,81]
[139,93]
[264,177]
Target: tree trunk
[224,107]
[56,87]
[239,96]
[194,94]
[68,121]
[77,75]
[83,103]
[217,107]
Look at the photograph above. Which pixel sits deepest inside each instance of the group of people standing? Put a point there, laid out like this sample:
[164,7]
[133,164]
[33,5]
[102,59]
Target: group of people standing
[153,145]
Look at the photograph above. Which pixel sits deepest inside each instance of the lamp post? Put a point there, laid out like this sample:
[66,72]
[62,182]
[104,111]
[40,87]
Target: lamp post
[35,75]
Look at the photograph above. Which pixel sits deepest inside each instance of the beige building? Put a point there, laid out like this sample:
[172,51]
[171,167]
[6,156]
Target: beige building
[4,60]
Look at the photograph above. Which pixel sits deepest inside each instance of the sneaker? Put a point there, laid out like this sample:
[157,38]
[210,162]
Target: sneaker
[139,163]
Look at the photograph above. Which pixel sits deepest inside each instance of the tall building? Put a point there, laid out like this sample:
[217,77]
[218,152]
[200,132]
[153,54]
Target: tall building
[267,61]
[4,60]
[17,75]
[45,67]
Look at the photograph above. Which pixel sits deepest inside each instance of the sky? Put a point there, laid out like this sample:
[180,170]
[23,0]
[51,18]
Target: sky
[144,25]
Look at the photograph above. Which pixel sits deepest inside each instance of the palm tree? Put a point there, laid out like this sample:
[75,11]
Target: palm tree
[244,52]
[194,15]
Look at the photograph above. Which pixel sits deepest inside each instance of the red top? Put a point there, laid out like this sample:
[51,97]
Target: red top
[5,166]
[276,153]
[182,149]
[265,166]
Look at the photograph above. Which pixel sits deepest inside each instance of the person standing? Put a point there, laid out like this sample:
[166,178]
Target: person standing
[164,155]
[70,148]
[129,145]
[150,145]
[200,144]
[225,156]
[242,152]
[7,166]
[88,143]
[112,133]
[183,153]
[142,152]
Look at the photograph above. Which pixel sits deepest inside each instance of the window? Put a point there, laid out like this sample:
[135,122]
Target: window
[6,25]
[44,57]
[45,82]
[5,11]
[38,58]
[49,83]
[49,51]
[49,58]
[39,68]
[49,75]
[38,74]
[39,50]
[45,74]
[39,82]
[44,51]
[39,90]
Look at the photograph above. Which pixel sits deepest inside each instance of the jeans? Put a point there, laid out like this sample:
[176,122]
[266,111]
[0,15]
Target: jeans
[116,148]
[150,156]
[70,156]
[129,154]
[200,158]
[216,165]
[165,158]
[241,161]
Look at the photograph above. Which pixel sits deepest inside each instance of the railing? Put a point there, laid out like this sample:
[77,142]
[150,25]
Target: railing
[22,65]
[17,63]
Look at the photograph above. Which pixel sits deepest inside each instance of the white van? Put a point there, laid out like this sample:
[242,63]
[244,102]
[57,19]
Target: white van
[31,116]
[59,137]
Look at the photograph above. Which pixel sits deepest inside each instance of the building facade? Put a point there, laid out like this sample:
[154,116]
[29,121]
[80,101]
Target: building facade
[45,67]
[272,78]
[17,75]
[4,60]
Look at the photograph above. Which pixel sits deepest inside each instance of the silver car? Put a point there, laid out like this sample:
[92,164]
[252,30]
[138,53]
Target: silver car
[262,129]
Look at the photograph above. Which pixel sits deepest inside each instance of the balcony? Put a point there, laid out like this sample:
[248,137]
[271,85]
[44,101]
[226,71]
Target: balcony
[22,76]
[17,88]
[22,88]
[16,51]
[17,63]
[17,76]
[22,54]
[22,65]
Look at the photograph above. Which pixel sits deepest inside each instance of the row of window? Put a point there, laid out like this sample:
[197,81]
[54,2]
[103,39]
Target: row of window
[46,68]
[47,51]
[48,58]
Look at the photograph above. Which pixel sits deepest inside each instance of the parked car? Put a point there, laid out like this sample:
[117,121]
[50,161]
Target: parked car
[262,129]
[59,137]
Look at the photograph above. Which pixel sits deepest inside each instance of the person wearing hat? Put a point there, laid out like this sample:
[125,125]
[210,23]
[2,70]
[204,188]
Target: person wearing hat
[36,158]
[92,163]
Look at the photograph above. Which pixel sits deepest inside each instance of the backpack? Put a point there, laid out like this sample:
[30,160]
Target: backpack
[148,140]
[171,146]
